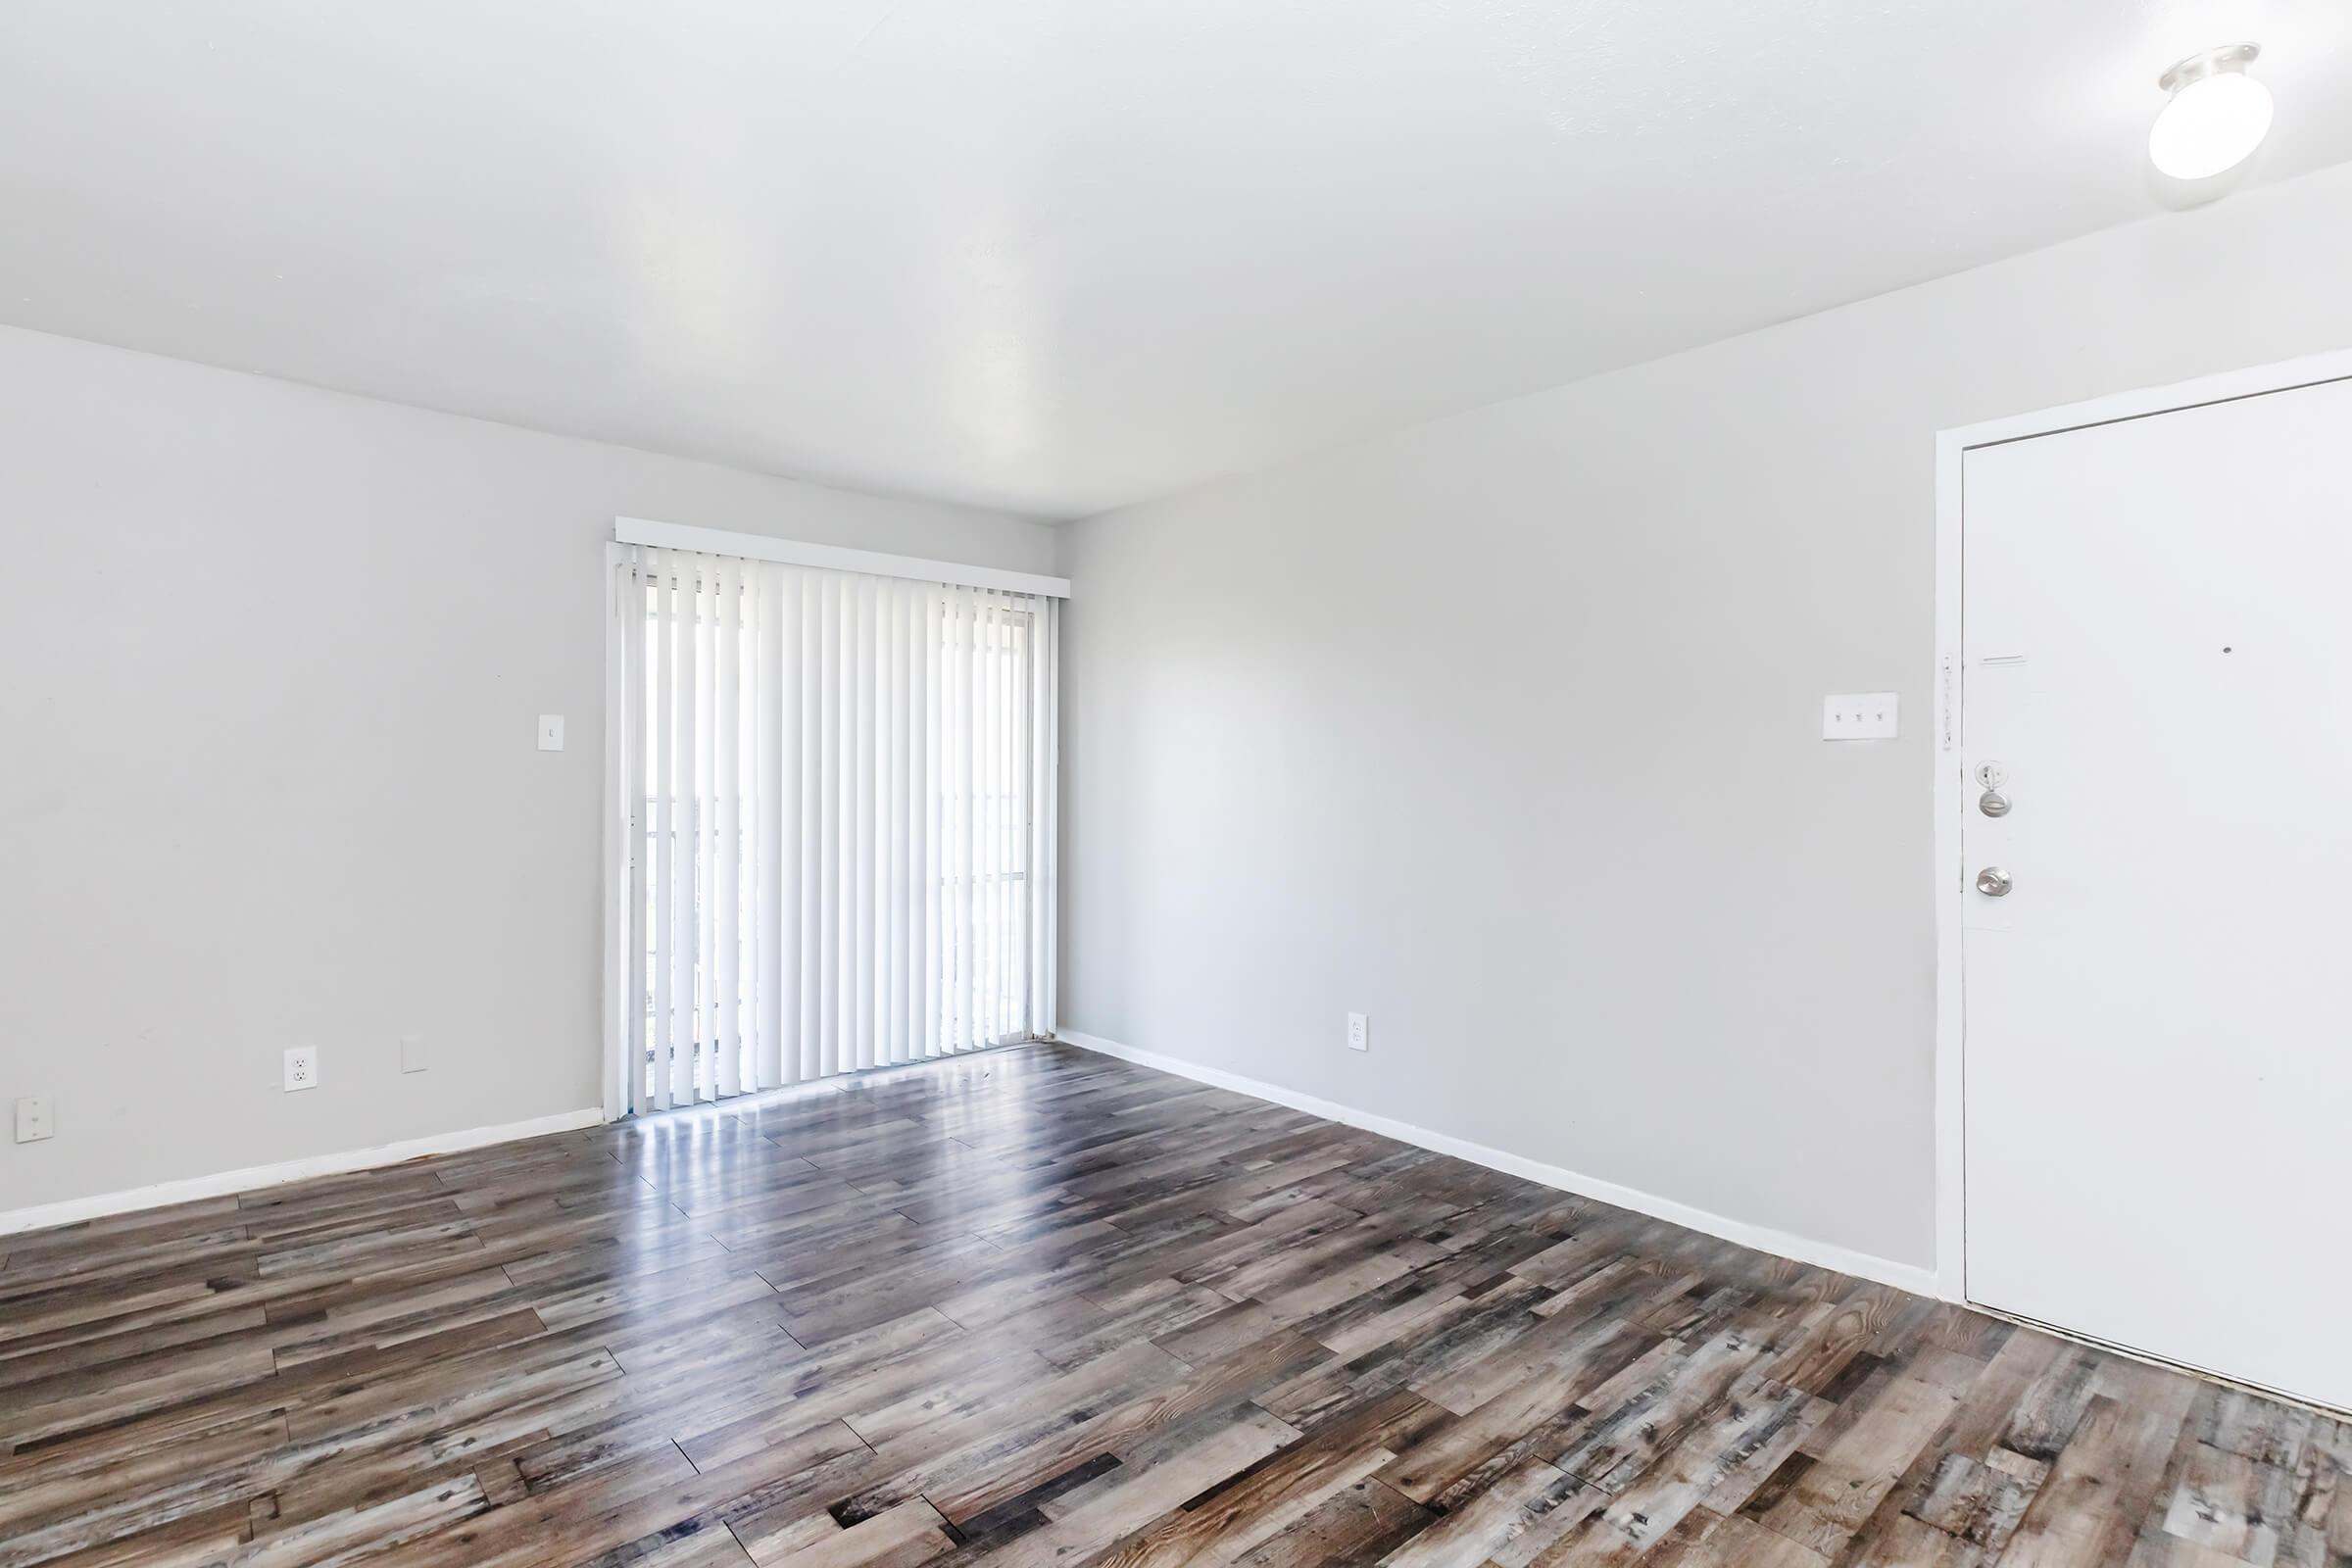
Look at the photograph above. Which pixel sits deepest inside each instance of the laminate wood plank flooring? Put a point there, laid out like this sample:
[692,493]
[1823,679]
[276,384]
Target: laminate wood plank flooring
[1036,1307]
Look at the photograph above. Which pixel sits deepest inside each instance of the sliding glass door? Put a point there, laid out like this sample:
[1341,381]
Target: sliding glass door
[837,852]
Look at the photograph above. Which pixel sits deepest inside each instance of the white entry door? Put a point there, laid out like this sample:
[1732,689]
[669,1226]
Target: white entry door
[2156,622]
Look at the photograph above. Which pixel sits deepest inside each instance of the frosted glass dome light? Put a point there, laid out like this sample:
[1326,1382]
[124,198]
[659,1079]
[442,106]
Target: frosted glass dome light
[2217,115]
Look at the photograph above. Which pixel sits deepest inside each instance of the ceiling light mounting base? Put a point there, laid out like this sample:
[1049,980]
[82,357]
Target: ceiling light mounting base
[2208,62]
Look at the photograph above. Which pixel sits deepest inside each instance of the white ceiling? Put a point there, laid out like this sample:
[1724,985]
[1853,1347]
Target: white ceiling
[1053,255]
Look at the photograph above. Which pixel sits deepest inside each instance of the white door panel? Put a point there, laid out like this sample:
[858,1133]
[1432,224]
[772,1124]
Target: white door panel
[2158,1031]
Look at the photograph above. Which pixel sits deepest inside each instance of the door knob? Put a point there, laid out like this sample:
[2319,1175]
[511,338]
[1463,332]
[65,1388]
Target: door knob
[1992,882]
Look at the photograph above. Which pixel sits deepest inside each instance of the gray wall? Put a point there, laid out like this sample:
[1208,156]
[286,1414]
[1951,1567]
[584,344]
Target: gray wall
[1504,730]
[273,657]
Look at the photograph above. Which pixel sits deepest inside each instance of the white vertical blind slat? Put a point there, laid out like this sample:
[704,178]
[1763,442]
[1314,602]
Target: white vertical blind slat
[807,949]
[967,858]
[979,731]
[864,647]
[634,725]
[890,838]
[728,784]
[765,808]
[990,791]
[829,840]
[1017,816]
[705,842]
[929,945]
[665,874]
[1000,801]
[1009,812]
[685,860]
[619,818]
[1045,838]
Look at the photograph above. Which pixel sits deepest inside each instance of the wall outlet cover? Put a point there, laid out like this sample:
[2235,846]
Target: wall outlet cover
[34,1121]
[302,1069]
[1359,1032]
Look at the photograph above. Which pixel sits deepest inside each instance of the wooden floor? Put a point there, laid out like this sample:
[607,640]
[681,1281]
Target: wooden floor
[1042,1307]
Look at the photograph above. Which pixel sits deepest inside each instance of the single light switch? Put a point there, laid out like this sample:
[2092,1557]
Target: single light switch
[551,732]
[412,1054]
[1858,717]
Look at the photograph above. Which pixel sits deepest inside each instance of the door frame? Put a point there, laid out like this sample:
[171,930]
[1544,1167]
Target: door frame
[1951,685]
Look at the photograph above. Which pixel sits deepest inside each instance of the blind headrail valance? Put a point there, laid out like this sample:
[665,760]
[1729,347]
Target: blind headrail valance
[835,557]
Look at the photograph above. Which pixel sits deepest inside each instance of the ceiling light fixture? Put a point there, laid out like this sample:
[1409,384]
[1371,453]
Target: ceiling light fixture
[2217,115]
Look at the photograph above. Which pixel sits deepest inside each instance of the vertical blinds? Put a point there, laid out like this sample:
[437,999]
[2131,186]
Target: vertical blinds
[834,847]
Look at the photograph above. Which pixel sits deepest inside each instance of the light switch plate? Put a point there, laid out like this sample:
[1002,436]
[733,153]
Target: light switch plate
[412,1054]
[1858,717]
[551,732]
[33,1122]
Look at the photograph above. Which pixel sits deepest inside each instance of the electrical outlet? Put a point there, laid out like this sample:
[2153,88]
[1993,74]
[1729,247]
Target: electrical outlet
[33,1121]
[302,1069]
[1359,1032]
[1858,717]
[412,1054]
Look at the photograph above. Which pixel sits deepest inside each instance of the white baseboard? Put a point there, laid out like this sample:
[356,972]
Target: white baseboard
[1822,1255]
[74,1210]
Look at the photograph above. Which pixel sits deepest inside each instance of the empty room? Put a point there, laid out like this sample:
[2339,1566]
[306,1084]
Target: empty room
[950,782]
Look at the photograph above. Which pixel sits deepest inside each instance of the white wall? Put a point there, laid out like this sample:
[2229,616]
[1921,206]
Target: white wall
[269,664]
[1504,730]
